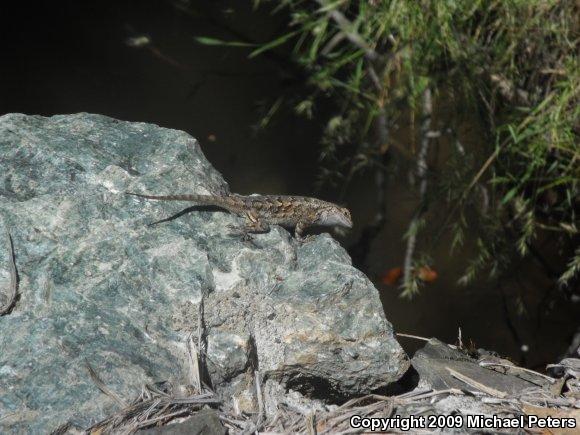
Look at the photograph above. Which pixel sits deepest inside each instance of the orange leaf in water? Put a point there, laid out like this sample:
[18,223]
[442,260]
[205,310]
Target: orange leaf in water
[391,276]
[426,274]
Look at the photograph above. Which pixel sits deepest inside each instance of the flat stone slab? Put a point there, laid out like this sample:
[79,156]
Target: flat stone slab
[437,362]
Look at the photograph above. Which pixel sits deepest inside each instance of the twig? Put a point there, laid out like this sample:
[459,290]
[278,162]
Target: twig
[232,422]
[194,369]
[150,421]
[416,392]
[413,336]
[200,323]
[423,396]
[311,423]
[487,364]
[13,290]
[201,342]
[101,386]
[422,174]
[251,426]
[347,28]
[477,385]
[195,351]
[482,170]
[62,429]
[157,408]
[498,400]
[260,399]
[377,84]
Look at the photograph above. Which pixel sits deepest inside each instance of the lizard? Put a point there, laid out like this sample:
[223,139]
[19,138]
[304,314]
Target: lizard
[261,211]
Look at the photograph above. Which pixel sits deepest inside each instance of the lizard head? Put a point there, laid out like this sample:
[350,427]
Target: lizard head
[335,215]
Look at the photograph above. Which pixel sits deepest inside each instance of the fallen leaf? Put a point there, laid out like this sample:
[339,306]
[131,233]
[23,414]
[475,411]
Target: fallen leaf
[391,276]
[426,274]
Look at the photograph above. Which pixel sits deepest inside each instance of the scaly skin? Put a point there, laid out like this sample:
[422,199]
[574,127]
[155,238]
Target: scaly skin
[261,211]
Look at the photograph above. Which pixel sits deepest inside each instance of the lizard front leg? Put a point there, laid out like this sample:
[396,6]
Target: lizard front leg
[299,229]
[253,225]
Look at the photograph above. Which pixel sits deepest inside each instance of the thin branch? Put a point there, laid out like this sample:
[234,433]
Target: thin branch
[194,368]
[347,28]
[422,174]
[260,399]
[477,385]
[413,336]
[428,395]
[488,364]
[311,423]
[103,387]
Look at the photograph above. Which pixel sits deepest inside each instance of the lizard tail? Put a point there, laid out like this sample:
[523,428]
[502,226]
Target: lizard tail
[200,199]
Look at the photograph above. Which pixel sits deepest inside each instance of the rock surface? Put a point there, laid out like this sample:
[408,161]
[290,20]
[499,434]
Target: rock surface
[205,422]
[439,364]
[485,394]
[99,287]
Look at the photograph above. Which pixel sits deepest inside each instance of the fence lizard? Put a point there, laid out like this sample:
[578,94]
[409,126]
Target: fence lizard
[261,211]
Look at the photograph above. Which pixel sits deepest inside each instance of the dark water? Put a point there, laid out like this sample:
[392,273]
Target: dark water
[67,57]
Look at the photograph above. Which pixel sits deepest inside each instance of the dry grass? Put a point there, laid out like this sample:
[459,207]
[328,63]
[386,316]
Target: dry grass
[156,408]
[160,406]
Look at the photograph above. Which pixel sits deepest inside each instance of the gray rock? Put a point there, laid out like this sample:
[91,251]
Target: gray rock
[434,360]
[568,367]
[205,422]
[98,286]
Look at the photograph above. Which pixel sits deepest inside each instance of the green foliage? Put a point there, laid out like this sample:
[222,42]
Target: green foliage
[513,62]
[573,268]
[206,40]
